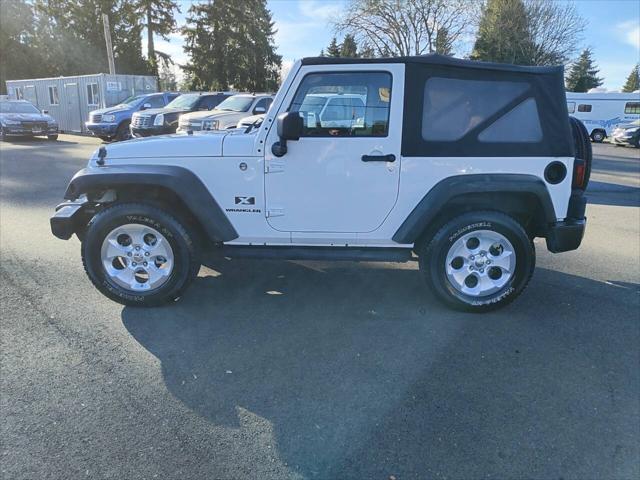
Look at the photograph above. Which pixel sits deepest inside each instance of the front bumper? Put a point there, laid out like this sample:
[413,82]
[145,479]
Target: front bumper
[65,221]
[20,131]
[150,131]
[102,129]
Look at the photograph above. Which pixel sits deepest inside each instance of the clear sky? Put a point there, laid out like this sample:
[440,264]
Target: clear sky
[613,32]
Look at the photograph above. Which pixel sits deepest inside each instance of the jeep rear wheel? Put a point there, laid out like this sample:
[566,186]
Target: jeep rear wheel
[478,261]
[139,255]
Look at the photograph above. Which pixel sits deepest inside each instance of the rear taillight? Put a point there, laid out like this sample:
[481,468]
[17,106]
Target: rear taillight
[579,173]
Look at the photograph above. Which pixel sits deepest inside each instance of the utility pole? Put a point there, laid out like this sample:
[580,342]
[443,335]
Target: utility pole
[107,39]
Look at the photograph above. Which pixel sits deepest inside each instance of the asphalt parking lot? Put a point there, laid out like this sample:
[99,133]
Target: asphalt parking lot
[278,370]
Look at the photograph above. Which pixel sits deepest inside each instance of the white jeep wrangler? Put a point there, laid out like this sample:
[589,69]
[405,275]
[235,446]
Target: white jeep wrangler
[458,162]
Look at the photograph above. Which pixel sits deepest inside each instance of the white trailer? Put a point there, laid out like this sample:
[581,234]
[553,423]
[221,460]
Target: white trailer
[603,112]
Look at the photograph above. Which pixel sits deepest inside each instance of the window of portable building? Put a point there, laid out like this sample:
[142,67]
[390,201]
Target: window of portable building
[632,108]
[571,106]
[584,108]
[93,95]
[54,99]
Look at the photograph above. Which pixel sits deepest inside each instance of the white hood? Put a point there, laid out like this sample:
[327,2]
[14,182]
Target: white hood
[209,145]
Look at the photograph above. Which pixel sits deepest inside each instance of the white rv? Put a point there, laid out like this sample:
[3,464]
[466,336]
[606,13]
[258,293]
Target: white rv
[603,112]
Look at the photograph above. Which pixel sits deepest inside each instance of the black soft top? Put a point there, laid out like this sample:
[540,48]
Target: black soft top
[455,107]
[435,59]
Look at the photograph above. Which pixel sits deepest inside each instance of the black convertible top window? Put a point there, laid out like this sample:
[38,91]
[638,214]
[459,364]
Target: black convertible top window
[455,107]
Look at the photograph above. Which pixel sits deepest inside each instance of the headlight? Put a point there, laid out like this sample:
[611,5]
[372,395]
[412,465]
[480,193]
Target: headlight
[159,120]
[11,122]
[210,124]
[109,118]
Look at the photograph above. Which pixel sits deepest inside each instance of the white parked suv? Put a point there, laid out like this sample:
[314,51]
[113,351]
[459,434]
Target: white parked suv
[227,114]
[458,163]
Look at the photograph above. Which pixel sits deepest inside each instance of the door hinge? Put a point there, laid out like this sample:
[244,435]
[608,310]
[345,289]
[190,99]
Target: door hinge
[273,166]
[275,212]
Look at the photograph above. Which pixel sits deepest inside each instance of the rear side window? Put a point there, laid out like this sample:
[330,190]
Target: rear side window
[453,108]
[584,108]
[571,106]
[354,104]
[632,107]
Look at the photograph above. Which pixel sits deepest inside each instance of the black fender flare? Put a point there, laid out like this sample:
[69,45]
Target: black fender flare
[435,200]
[181,181]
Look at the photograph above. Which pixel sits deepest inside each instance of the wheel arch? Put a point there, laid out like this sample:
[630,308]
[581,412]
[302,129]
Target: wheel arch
[175,187]
[523,197]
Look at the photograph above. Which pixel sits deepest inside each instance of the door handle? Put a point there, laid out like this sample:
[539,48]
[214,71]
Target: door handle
[379,158]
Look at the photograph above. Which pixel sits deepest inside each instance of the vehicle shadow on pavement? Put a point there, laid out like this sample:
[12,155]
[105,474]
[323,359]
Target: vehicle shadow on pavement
[362,374]
[602,193]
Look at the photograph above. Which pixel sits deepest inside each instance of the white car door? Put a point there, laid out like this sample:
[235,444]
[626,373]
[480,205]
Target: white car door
[342,175]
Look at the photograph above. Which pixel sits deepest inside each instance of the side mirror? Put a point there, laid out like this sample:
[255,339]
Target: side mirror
[290,126]
[258,110]
[145,106]
[45,112]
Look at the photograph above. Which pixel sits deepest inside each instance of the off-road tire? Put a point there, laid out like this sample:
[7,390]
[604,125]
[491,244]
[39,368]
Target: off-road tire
[433,253]
[185,251]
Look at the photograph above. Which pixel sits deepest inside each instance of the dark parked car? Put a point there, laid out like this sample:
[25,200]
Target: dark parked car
[159,121]
[19,118]
[112,123]
[628,134]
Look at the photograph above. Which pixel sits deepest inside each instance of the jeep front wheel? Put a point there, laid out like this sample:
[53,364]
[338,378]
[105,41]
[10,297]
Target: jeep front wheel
[139,255]
[478,261]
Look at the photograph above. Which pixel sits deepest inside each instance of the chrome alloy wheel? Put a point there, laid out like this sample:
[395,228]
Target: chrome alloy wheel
[137,257]
[480,263]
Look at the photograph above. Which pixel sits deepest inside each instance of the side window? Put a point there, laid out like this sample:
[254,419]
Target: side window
[172,96]
[157,101]
[53,95]
[453,107]
[584,108]
[344,104]
[210,101]
[632,107]
[571,106]
[93,95]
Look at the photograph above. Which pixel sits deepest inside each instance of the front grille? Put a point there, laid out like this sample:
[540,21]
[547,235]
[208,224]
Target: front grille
[96,118]
[142,121]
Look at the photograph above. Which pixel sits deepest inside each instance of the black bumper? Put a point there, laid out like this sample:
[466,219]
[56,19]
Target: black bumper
[65,221]
[567,235]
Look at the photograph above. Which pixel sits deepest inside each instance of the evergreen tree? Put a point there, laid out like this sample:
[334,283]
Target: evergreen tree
[583,74]
[230,44]
[633,80]
[503,35]
[167,78]
[333,50]
[443,42]
[158,20]
[70,38]
[349,47]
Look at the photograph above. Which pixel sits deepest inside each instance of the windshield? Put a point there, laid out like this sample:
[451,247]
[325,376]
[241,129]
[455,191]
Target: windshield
[236,104]
[17,107]
[132,100]
[184,101]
